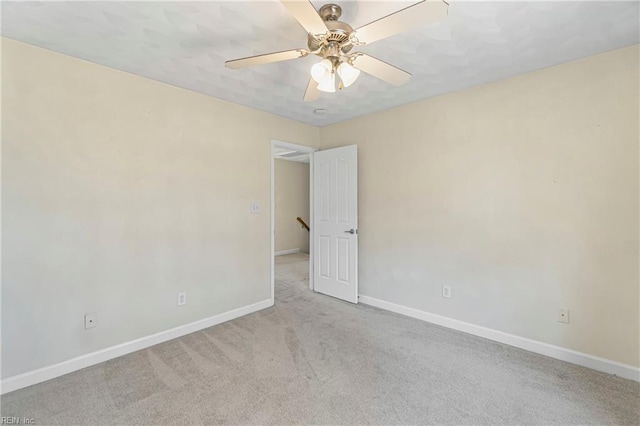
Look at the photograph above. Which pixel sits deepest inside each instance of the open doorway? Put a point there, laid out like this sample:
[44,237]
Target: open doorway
[291,215]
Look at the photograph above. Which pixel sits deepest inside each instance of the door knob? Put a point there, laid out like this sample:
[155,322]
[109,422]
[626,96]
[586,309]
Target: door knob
[350,231]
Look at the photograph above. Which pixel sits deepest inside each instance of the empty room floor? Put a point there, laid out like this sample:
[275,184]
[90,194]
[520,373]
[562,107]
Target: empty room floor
[314,359]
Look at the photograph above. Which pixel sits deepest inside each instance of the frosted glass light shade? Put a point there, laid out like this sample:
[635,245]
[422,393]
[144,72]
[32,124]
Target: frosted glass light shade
[321,71]
[329,84]
[348,74]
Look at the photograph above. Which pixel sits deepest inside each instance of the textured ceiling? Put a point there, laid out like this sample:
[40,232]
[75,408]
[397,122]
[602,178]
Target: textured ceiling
[186,44]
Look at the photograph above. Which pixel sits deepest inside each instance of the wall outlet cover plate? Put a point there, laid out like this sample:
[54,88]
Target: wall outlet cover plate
[446,291]
[182,299]
[90,320]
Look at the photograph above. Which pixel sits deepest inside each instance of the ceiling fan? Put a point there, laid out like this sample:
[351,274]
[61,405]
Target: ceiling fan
[333,41]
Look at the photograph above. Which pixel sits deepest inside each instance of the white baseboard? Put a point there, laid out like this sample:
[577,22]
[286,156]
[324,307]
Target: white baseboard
[283,252]
[47,373]
[564,354]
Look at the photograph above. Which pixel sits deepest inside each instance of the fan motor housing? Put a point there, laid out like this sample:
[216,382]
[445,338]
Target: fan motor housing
[338,32]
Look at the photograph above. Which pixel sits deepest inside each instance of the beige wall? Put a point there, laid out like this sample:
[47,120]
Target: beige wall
[292,201]
[522,195]
[117,193]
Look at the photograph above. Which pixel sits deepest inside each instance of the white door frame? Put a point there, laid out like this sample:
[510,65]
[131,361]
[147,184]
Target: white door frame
[286,145]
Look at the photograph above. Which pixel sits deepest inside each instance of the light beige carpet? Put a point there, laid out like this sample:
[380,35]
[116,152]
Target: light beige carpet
[314,359]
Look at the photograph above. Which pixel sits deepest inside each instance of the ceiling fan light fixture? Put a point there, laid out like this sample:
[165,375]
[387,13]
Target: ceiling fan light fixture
[322,71]
[328,85]
[348,74]
[333,41]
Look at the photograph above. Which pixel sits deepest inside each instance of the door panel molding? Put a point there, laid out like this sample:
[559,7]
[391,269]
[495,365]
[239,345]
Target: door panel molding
[336,222]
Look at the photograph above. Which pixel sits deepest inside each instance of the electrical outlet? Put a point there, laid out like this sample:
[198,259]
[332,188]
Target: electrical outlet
[255,208]
[182,299]
[446,291]
[563,316]
[90,320]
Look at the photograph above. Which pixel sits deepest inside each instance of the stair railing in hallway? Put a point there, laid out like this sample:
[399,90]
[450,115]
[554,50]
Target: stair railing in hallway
[302,222]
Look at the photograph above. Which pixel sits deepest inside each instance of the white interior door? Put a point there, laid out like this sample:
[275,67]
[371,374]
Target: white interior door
[335,222]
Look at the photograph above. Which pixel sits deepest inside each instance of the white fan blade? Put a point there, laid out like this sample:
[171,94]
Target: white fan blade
[418,14]
[312,93]
[306,15]
[266,59]
[380,69]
